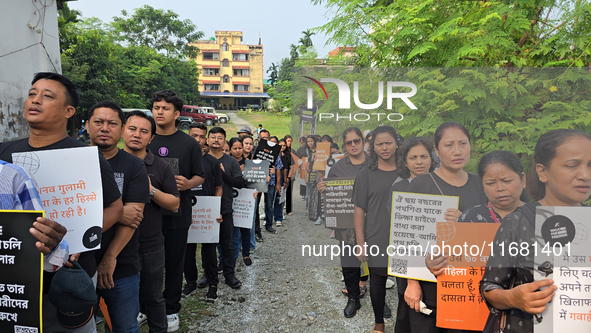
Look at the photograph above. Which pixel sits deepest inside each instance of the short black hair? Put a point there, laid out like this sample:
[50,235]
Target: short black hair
[72,95]
[264,131]
[109,105]
[141,114]
[260,125]
[168,96]
[198,125]
[334,145]
[216,130]
[327,138]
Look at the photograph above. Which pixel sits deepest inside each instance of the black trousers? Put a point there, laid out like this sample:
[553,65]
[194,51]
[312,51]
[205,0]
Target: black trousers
[352,273]
[257,219]
[410,321]
[377,291]
[208,262]
[288,198]
[227,244]
[175,246]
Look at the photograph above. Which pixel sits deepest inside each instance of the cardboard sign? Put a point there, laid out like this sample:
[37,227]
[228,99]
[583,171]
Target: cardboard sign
[563,253]
[413,222]
[21,273]
[322,154]
[267,150]
[204,227]
[256,173]
[244,207]
[302,165]
[459,302]
[71,191]
[338,208]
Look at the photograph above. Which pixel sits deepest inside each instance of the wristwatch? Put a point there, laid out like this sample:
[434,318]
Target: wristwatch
[152,193]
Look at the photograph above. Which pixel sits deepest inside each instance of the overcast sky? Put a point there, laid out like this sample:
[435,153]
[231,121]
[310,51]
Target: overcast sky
[280,22]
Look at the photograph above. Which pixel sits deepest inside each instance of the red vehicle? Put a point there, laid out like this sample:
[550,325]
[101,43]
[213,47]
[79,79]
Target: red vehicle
[198,115]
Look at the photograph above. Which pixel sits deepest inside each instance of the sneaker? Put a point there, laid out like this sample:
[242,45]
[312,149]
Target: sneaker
[389,283]
[212,294]
[188,290]
[247,261]
[233,282]
[251,251]
[202,283]
[141,318]
[319,221]
[278,223]
[271,229]
[173,322]
[220,268]
[258,237]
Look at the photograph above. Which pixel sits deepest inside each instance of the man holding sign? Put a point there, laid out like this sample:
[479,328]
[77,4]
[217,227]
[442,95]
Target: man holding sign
[52,100]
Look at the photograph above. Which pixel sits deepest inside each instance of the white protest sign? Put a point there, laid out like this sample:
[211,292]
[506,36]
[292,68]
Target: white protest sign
[244,207]
[562,253]
[71,191]
[204,227]
[413,232]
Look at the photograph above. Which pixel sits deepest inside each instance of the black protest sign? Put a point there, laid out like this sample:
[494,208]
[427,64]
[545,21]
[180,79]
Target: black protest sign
[338,208]
[267,150]
[21,273]
[256,173]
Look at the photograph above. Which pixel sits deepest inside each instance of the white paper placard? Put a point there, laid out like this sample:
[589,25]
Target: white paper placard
[563,255]
[414,222]
[244,207]
[204,227]
[71,191]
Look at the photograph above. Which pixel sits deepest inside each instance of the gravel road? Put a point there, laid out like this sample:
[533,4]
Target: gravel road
[285,292]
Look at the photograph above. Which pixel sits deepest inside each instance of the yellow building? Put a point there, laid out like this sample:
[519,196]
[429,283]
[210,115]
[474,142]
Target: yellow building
[231,71]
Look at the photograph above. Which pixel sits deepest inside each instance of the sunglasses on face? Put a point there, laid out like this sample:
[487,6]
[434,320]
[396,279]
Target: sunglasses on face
[354,141]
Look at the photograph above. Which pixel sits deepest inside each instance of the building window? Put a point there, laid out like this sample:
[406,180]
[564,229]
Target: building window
[211,87]
[240,56]
[241,72]
[225,47]
[211,56]
[211,72]
[226,63]
[241,87]
[226,79]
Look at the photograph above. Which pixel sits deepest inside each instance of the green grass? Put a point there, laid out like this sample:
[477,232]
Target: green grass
[278,125]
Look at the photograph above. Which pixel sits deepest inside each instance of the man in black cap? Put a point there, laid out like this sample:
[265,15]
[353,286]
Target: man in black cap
[51,101]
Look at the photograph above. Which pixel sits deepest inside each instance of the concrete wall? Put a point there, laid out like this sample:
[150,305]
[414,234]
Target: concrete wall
[18,67]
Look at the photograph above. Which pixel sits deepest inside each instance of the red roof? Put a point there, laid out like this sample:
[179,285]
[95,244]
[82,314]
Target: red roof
[240,51]
[211,82]
[240,67]
[211,66]
[210,51]
[341,49]
[239,82]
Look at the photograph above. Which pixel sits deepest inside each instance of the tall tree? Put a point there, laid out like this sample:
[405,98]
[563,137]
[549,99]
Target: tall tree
[306,41]
[293,52]
[274,69]
[65,21]
[159,29]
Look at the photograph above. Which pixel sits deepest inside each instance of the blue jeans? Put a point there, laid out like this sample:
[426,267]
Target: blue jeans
[123,303]
[269,206]
[278,210]
[241,236]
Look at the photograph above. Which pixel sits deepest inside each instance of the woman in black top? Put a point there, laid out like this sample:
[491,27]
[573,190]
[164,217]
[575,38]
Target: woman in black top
[288,199]
[247,146]
[371,194]
[241,236]
[236,151]
[286,160]
[503,181]
[310,152]
[560,176]
[413,160]
[452,145]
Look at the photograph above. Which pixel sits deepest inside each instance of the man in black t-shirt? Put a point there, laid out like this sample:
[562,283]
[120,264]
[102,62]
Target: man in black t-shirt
[184,155]
[51,101]
[138,130]
[232,176]
[212,186]
[118,258]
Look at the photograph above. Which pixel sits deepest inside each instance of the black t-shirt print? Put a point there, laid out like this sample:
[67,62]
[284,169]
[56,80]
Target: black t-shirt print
[135,188]
[161,175]
[371,192]
[185,157]
[110,191]
[470,194]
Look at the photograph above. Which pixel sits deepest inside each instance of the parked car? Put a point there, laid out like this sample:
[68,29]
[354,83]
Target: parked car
[222,117]
[198,115]
[254,106]
[146,111]
[184,122]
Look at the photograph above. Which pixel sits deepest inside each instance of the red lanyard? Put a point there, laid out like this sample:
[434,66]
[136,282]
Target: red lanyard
[492,213]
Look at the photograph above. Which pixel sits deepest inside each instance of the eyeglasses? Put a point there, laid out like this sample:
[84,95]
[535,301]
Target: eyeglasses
[354,141]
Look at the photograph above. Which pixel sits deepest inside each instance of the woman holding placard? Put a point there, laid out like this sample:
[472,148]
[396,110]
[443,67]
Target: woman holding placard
[414,160]
[560,176]
[371,195]
[452,145]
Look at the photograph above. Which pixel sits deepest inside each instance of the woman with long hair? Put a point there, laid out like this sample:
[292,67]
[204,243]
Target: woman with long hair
[311,141]
[560,176]
[371,194]
[290,174]
[452,145]
[247,147]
